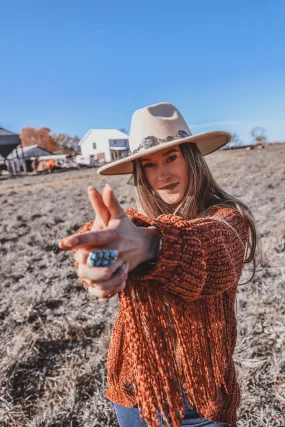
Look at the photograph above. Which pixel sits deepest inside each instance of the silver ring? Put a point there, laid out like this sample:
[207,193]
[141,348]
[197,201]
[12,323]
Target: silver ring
[102,257]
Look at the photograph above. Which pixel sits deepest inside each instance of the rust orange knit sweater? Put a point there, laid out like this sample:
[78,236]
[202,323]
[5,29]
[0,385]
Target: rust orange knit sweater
[176,326]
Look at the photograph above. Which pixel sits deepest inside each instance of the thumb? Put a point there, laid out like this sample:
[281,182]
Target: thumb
[102,215]
[110,201]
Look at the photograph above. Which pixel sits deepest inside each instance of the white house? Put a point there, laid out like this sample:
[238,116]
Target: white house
[105,144]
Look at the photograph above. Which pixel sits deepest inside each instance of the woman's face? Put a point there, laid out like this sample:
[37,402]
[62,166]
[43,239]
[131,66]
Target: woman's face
[166,167]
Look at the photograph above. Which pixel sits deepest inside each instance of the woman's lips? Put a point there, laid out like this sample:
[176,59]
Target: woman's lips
[171,188]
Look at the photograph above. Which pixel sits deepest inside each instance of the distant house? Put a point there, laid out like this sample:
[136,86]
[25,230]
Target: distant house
[106,145]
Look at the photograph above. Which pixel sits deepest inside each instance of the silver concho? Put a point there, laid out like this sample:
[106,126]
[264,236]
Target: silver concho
[151,141]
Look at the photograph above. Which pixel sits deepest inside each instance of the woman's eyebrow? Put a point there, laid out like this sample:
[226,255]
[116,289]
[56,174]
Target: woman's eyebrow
[173,150]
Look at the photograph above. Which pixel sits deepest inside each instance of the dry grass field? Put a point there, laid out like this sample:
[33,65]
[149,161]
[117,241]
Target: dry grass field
[55,336]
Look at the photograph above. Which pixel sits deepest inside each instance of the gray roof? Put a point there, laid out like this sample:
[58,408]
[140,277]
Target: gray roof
[30,151]
[8,141]
[6,132]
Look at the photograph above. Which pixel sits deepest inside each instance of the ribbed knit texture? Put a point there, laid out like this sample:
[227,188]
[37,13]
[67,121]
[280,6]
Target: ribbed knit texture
[176,327]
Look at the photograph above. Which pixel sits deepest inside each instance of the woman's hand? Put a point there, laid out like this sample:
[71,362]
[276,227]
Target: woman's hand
[102,217]
[134,244]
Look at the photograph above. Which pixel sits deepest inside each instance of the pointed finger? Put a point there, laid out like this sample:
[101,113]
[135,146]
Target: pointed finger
[89,238]
[110,201]
[101,211]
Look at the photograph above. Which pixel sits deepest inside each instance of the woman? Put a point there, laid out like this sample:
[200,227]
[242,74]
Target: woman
[174,261]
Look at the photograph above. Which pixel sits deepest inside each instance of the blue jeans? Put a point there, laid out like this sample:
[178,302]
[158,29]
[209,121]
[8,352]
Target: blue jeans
[129,417]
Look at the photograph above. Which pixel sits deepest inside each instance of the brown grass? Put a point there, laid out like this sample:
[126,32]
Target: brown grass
[54,335]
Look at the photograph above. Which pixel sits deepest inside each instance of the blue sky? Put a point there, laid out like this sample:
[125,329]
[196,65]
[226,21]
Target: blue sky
[73,65]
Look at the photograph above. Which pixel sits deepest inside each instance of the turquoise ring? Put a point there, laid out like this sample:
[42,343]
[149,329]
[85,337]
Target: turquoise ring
[102,258]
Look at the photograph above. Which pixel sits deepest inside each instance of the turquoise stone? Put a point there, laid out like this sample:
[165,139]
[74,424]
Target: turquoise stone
[106,255]
[114,253]
[102,258]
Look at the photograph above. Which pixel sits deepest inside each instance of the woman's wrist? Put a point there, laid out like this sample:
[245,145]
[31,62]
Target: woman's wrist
[151,243]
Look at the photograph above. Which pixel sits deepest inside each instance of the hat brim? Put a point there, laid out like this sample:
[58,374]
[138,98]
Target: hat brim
[207,142]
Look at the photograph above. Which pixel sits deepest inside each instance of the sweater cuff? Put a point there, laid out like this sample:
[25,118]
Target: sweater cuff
[166,264]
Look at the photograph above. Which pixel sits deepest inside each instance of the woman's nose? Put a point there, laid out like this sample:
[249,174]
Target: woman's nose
[163,172]
[163,175]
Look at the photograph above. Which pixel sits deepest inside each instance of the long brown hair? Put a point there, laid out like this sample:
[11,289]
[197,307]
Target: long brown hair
[202,193]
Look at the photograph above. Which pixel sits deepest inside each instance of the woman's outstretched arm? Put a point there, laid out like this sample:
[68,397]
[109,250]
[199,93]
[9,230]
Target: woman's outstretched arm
[199,257]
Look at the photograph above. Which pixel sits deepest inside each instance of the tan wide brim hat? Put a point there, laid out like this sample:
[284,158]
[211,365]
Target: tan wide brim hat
[157,127]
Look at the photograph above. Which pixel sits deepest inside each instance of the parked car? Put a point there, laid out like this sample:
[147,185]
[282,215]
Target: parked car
[89,161]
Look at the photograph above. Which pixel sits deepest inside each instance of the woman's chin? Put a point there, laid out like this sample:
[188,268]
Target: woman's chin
[173,200]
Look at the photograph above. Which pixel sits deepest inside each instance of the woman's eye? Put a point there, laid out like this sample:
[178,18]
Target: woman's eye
[148,165]
[171,157]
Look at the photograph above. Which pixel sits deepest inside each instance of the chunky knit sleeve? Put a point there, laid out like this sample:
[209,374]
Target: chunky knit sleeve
[199,257]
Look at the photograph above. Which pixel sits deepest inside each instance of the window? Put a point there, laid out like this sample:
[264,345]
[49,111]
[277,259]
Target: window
[94,146]
[117,143]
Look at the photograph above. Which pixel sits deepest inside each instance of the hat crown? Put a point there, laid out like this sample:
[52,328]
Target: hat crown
[159,120]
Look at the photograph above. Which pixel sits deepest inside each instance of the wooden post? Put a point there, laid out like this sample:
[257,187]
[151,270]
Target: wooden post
[6,164]
[10,166]
[13,166]
[23,157]
[18,167]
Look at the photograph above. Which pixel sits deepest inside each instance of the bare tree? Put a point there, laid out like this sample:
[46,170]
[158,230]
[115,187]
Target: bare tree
[258,133]
[67,144]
